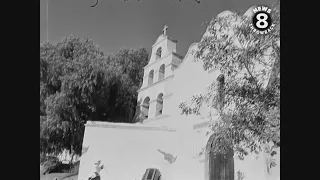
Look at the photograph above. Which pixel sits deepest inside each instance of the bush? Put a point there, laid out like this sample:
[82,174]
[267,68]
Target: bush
[44,158]
[51,165]
[75,167]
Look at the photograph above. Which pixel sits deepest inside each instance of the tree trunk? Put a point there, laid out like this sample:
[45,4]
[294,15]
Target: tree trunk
[71,143]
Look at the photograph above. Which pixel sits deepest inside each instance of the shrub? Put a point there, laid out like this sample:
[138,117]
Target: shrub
[75,167]
[51,165]
[42,158]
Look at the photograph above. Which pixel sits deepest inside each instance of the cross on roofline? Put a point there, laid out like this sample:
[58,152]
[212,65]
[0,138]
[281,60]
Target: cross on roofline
[165,30]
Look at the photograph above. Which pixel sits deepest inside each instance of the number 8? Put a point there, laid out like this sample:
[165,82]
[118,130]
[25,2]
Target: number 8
[263,20]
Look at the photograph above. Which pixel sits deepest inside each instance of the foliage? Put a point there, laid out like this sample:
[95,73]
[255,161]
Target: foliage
[128,64]
[50,165]
[67,79]
[75,167]
[44,158]
[240,175]
[248,98]
[77,83]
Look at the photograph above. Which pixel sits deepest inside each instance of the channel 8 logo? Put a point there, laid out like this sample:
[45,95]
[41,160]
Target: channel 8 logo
[262,20]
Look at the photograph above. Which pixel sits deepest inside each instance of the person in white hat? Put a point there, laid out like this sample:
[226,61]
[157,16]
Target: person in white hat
[96,171]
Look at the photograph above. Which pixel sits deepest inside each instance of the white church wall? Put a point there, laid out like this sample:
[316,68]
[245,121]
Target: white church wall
[127,150]
[166,103]
[189,79]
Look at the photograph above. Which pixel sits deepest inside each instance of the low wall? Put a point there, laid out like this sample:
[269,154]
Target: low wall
[127,150]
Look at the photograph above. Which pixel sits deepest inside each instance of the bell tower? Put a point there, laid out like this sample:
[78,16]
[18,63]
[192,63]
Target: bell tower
[163,61]
[163,52]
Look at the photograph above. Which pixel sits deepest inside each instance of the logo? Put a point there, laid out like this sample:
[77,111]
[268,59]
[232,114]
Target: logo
[261,20]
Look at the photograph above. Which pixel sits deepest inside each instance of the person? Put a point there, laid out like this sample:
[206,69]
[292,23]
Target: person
[96,171]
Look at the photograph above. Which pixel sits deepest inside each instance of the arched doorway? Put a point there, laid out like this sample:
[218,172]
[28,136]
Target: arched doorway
[159,105]
[145,108]
[218,167]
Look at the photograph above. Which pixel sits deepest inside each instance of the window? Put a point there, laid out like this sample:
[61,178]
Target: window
[161,72]
[159,105]
[158,53]
[152,174]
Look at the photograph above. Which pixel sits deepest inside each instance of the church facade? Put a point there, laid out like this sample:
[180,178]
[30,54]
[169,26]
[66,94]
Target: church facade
[163,139]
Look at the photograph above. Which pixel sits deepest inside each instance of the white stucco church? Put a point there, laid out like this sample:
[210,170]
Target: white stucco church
[127,150]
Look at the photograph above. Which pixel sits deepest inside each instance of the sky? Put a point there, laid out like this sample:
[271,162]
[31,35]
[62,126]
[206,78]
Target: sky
[116,24]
